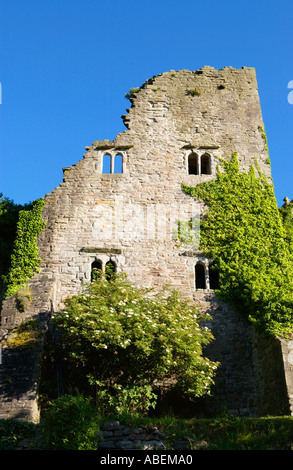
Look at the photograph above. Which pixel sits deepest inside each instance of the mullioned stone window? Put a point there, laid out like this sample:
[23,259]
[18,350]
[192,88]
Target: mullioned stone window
[206,276]
[99,268]
[113,163]
[96,270]
[199,164]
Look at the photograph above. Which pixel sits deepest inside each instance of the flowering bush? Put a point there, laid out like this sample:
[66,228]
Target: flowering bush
[129,340]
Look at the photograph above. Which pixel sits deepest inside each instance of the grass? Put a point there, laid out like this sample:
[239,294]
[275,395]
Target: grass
[225,433]
[222,433]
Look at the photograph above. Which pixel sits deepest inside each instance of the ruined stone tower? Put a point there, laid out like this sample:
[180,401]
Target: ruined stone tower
[120,205]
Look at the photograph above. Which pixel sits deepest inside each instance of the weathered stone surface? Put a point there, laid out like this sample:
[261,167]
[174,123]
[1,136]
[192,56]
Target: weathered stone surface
[130,438]
[130,218]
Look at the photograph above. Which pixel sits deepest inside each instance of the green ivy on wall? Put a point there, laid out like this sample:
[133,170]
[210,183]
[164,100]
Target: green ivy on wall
[242,231]
[286,212]
[25,259]
[9,213]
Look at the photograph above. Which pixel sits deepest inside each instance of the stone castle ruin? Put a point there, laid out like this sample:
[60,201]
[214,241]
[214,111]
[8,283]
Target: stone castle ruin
[119,207]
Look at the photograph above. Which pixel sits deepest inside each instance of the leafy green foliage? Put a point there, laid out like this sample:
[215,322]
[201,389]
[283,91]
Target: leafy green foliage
[242,232]
[9,212]
[264,136]
[129,341]
[286,212]
[26,335]
[221,433]
[132,93]
[188,233]
[13,431]
[70,424]
[25,255]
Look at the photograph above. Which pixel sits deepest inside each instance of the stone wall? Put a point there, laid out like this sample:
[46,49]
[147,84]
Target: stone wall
[287,355]
[130,218]
[20,366]
[235,385]
[115,435]
[272,392]
[19,384]
[118,436]
[135,212]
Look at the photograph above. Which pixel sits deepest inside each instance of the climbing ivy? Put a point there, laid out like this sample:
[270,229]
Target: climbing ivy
[264,136]
[286,212]
[25,259]
[9,212]
[242,231]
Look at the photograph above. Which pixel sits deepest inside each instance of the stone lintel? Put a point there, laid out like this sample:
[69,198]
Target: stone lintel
[201,147]
[105,145]
[110,251]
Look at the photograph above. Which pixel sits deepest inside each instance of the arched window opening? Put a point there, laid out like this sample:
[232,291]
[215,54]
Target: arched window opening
[214,277]
[200,278]
[118,164]
[106,164]
[205,164]
[193,164]
[96,270]
[110,270]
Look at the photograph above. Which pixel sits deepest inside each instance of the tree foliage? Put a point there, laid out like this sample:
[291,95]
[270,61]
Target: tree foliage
[70,424]
[130,340]
[243,233]
[9,212]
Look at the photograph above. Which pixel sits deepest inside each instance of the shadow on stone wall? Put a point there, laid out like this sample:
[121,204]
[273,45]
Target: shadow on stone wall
[19,374]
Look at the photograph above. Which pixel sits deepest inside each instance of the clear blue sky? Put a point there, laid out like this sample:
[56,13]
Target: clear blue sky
[65,66]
